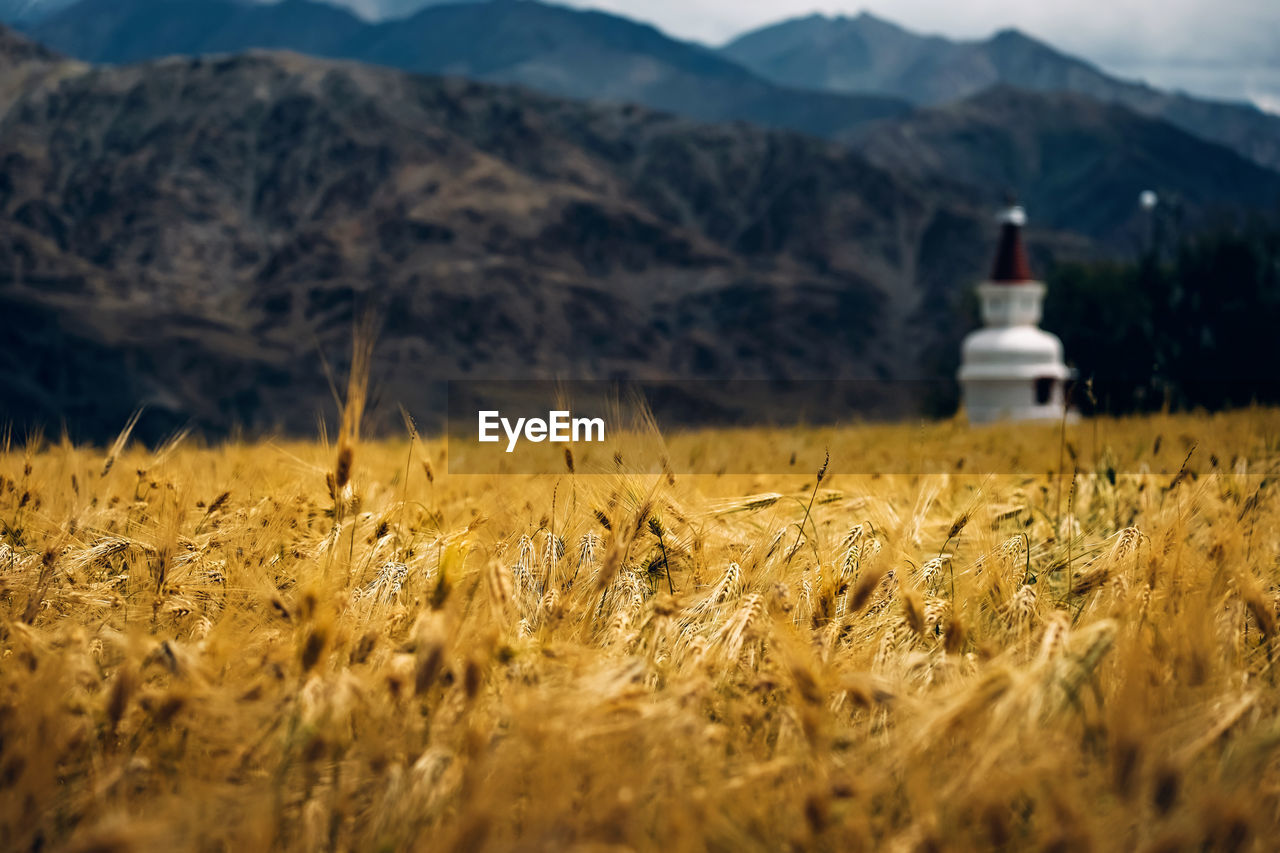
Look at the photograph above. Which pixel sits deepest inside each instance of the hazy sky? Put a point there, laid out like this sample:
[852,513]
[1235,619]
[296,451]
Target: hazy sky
[1229,45]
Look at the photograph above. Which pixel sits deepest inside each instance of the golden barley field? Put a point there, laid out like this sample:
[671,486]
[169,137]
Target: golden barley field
[280,646]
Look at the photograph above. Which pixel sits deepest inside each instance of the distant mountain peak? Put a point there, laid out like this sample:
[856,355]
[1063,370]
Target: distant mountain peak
[1014,37]
[880,57]
[868,17]
[862,18]
[1010,34]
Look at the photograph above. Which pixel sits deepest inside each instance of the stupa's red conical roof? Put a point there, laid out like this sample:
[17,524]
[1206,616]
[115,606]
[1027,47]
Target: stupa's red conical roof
[1011,265]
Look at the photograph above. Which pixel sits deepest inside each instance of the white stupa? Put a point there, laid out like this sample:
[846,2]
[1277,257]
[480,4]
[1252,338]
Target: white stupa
[1012,370]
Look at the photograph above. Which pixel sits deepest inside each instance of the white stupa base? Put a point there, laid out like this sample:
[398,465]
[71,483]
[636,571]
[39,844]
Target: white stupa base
[1028,414]
[1013,373]
[992,401]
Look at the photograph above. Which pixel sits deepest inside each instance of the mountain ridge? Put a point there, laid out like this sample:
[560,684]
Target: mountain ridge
[868,54]
[818,75]
[562,51]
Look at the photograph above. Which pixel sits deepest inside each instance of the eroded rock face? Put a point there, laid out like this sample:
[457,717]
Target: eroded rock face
[184,233]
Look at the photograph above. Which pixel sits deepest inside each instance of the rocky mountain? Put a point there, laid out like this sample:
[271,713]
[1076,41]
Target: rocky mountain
[1078,163]
[553,49]
[17,52]
[870,55]
[24,67]
[862,53]
[188,233]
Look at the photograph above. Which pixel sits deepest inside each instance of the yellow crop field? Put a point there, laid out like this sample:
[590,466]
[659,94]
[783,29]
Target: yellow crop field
[1057,637]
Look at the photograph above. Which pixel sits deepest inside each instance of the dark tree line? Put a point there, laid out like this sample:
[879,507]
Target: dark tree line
[1193,324]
